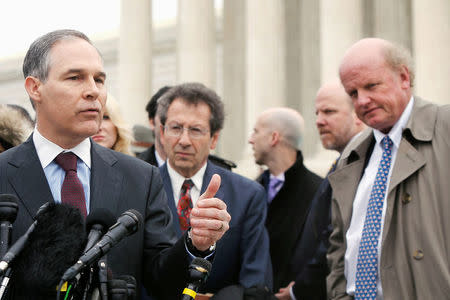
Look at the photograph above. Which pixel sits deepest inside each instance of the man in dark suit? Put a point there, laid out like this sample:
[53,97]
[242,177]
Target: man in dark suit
[155,155]
[65,80]
[290,185]
[337,124]
[192,116]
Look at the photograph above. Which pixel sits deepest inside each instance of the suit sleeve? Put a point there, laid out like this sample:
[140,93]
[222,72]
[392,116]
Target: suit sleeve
[165,257]
[256,267]
[336,282]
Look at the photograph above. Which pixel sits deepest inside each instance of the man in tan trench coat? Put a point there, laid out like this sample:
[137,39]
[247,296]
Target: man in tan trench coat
[414,244]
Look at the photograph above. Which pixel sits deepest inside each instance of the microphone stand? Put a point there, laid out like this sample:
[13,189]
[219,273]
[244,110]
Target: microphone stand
[103,277]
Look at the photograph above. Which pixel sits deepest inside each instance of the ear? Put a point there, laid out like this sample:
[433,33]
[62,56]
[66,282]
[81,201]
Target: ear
[405,77]
[214,140]
[274,138]
[161,133]
[32,85]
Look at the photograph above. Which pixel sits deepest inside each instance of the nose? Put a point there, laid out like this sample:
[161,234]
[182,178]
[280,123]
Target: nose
[363,99]
[250,139]
[184,139]
[320,120]
[91,91]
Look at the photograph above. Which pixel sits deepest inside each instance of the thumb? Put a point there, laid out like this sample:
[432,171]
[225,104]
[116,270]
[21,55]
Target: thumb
[212,188]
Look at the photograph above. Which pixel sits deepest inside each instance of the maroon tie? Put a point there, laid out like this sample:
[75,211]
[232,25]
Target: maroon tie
[184,206]
[72,192]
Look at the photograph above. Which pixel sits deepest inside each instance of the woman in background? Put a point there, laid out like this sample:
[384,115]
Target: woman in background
[114,132]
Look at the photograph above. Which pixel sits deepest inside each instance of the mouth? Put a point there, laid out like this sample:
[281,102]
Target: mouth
[98,138]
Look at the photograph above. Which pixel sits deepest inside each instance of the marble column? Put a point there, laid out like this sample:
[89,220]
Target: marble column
[135,59]
[303,64]
[431,48]
[235,133]
[196,42]
[389,20]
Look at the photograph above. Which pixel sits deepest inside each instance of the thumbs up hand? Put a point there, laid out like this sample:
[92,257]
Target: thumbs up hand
[209,218]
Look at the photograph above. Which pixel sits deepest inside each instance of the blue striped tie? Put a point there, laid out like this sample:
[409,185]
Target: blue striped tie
[367,266]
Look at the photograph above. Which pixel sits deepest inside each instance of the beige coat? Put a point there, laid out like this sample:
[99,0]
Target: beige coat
[415,255]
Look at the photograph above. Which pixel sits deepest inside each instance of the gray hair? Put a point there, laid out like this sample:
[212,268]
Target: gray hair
[396,56]
[193,93]
[37,59]
[289,123]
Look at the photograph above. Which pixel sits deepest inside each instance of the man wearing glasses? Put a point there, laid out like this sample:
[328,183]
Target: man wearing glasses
[192,116]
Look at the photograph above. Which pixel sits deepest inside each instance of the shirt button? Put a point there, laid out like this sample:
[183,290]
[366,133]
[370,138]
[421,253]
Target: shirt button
[406,198]
[418,254]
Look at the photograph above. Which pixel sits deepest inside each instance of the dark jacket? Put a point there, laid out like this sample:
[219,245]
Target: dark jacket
[286,216]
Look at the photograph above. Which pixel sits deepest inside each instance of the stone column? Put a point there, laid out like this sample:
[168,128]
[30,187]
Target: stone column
[389,20]
[303,64]
[135,59]
[431,47]
[235,134]
[340,27]
[265,55]
[196,55]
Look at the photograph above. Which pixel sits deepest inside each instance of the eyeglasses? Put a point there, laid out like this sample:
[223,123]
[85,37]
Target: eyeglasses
[176,130]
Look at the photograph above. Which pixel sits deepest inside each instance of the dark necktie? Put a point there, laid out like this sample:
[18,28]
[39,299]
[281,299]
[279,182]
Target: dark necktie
[367,266]
[72,191]
[184,206]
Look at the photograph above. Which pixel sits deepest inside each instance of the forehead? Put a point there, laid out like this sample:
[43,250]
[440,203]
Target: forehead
[189,113]
[75,53]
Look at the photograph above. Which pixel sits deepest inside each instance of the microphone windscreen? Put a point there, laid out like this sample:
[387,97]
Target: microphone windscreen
[56,244]
[100,216]
[201,262]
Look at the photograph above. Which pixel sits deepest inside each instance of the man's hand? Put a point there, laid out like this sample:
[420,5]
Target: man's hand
[209,218]
[283,293]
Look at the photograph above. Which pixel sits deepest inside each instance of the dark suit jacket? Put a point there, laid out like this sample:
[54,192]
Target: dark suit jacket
[310,262]
[286,216]
[242,255]
[118,182]
[149,156]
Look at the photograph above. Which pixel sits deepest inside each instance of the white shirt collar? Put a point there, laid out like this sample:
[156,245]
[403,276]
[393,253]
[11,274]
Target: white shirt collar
[47,150]
[159,159]
[395,134]
[177,179]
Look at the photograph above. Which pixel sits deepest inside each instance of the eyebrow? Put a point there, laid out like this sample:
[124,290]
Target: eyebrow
[101,73]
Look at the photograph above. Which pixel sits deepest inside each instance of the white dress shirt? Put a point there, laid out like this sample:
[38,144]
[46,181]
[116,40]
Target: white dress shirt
[360,203]
[47,151]
[177,181]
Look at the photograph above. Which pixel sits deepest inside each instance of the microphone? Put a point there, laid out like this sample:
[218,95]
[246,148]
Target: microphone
[97,223]
[54,245]
[128,223]
[198,273]
[8,214]
[18,246]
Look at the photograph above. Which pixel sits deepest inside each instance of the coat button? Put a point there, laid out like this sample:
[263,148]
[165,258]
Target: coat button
[406,198]
[418,254]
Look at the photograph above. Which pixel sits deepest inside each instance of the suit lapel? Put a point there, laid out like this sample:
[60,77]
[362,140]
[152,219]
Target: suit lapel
[171,202]
[28,178]
[344,181]
[105,179]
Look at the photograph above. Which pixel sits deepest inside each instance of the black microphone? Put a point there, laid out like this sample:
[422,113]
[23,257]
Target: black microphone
[18,246]
[128,223]
[198,273]
[8,214]
[97,224]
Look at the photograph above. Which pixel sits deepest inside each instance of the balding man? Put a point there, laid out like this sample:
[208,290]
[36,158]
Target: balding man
[290,185]
[337,124]
[390,203]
